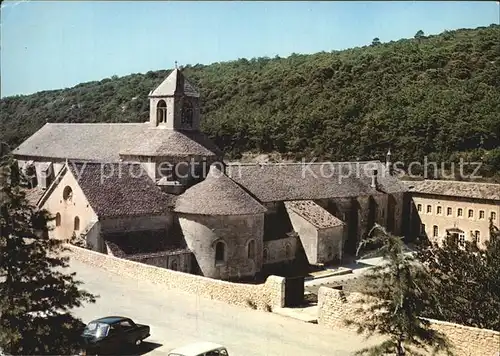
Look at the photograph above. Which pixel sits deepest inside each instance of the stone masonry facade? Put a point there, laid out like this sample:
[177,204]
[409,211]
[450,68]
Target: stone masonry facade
[334,306]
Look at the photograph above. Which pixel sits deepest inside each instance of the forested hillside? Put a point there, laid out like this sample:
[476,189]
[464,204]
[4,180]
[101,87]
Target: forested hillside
[437,96]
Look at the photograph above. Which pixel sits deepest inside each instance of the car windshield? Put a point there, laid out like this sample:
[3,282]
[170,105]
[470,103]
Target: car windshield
[97,330]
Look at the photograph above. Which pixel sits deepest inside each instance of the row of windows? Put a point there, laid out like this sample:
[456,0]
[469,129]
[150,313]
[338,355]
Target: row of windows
[220,251]
[476,235]
[76,222]
[186,117]
[460,212]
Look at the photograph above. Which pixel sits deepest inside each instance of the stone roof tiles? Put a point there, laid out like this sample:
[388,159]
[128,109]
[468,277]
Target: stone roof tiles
[175,84]
[103,142]
[451,188]
[217,195]
[119,189]
[314,213]
[310,181]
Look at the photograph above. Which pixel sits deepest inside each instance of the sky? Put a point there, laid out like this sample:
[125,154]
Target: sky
[57,44]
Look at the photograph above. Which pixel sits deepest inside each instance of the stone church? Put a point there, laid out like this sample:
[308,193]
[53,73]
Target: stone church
[161,193]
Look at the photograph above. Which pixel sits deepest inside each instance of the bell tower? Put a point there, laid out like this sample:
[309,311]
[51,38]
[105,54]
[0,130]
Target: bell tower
[175,104]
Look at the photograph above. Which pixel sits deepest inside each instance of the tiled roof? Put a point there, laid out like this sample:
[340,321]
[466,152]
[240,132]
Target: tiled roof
[451,188]
[103,142]
[175,84]
[172,143]
[313,213]
[303,181]
[217,195]
[115,190]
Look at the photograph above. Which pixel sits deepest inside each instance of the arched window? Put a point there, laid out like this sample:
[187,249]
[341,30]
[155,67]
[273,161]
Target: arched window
[251,249]
[187,114]
[288,251]
[220,253]
[161,112]
[76,226]
[265,255]
[173,265]
[58,219]
[67,193]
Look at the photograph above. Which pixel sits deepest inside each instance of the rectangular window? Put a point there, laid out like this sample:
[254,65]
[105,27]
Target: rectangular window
[461,240]
[493,216]
[477,236]
[439,210]
[460,212]
[429,209]
[422,229]
[471,213]
[481,214]
[449,211]
[435,231]
[419,207]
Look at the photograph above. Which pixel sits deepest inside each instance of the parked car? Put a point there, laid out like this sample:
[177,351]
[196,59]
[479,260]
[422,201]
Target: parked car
[200,349]
[112,333]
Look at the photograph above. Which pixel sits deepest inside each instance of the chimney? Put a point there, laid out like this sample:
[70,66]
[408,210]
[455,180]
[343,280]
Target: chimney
[374,179]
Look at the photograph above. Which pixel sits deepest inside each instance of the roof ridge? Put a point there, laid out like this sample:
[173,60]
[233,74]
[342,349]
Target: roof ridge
[297,163]
[456,181]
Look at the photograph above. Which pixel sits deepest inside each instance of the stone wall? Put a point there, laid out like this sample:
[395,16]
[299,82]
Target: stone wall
[280,250]
[202,234]
[137,223]
[260,296]
[334,307]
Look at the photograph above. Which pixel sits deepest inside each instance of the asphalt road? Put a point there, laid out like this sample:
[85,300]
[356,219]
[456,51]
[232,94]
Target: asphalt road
[178,318]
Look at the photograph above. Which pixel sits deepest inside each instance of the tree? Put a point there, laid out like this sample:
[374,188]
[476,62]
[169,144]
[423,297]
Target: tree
[467,291]
[376,41]
[35,294]
[419,34]
[396,293]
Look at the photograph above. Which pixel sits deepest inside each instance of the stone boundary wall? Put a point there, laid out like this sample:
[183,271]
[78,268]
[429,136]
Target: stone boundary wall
[334,306]
[266,296]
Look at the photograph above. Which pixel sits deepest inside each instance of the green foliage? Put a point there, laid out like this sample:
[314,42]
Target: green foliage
[431,95]
[35,294]
[468,291]
[396,294]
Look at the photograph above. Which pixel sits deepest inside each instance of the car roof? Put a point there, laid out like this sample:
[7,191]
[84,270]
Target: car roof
[110,319]
[196,348]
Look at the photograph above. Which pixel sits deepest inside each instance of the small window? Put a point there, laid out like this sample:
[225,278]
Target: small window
[435,231]
[220,252]
[461,240]
[76,224]
[288,251]
[125,324]
[481,214]
[251,249]
[477,237]
[460,212]
[422,229]
[471,213]
[449,211]
[493,216]
[67,193]
[173,265]
[429,209]
[439,210]
[265,255]
[187,114]
[58,219]
[419,207]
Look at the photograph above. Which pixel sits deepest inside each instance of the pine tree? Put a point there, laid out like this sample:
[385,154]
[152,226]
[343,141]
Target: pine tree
[35,294]
[396,292]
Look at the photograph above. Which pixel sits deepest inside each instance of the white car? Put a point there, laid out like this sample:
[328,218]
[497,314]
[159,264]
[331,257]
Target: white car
[200,349]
